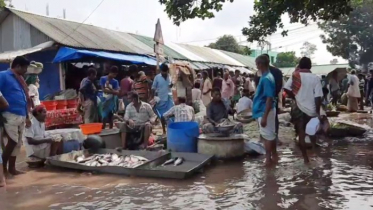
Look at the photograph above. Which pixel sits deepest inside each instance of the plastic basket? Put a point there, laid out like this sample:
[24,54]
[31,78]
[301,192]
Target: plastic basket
[91,128]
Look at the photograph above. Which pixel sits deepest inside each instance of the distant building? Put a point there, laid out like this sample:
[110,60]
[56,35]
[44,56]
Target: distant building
[272,55]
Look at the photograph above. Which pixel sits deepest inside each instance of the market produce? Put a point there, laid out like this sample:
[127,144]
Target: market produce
[111,159]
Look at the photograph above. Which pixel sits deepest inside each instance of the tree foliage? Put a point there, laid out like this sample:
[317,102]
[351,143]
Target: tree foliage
[2,4]
[286,59]
[351,36]
[308,49]
[267,17]
[230,44]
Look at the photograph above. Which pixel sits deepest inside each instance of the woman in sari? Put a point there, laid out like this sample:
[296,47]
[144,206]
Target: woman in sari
[108,103]
[353,93]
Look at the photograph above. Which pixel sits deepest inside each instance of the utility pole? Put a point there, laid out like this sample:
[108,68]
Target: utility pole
[158,38]
[64,13]
[47,10]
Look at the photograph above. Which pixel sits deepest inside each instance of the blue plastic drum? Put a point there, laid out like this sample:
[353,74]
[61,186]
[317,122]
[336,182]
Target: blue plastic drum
[182,136]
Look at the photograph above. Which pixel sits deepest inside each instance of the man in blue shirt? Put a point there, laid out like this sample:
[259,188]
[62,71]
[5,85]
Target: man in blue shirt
[14,90]
[162,89]
[108,105]
[264,109]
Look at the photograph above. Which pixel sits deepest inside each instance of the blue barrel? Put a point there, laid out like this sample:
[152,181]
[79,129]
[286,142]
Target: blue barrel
[182,136]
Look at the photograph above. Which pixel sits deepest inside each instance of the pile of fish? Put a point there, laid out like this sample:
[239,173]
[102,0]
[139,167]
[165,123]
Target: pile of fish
[176,161]
[111,159]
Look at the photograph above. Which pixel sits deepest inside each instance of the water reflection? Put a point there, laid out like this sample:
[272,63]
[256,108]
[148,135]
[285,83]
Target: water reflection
[338,178]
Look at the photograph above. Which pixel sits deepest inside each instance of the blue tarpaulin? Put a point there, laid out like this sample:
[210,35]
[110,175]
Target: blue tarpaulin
[69,54]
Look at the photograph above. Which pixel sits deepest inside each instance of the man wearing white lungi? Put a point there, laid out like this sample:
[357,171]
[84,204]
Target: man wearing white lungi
[15,91]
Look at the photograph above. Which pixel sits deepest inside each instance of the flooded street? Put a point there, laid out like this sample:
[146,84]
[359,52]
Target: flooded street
[340,176]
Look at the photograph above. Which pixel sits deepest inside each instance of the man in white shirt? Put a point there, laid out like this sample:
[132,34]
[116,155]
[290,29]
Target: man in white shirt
[306,88]
[37,144]
[245,102]
[249,85]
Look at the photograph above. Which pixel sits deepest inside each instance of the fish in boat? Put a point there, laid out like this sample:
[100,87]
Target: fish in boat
[179,161]
[170,161]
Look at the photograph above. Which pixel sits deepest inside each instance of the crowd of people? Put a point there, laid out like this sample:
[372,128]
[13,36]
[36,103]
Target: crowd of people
[354,90]
[141,104]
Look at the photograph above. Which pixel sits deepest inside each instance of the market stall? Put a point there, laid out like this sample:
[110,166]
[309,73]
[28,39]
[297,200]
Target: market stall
[62,109]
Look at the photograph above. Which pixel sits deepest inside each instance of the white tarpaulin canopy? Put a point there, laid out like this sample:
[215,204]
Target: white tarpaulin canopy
[7,57]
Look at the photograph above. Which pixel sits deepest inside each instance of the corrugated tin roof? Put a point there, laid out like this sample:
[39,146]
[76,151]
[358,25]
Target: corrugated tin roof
[316,69]
[74,34]
[208,54]
[246,60]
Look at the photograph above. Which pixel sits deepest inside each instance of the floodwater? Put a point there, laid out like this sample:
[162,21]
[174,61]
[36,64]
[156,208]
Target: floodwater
[340,176]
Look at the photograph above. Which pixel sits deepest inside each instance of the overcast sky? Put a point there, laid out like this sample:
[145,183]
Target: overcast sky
[140,16]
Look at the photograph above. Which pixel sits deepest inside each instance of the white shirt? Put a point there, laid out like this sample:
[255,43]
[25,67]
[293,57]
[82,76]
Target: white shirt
[196,94]
[34,93]
[37,132]
[244,103]
[310,89]
[354,90]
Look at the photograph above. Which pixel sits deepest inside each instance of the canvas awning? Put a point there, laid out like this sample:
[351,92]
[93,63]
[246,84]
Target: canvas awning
[71,54]
[7,57]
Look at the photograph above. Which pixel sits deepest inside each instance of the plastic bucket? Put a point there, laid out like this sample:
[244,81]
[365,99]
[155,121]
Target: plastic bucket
[49,105]
[61,104]
[182,136]
[72,103]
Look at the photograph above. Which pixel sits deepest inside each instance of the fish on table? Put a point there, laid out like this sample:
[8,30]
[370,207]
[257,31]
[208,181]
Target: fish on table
[176,161]
[111,159]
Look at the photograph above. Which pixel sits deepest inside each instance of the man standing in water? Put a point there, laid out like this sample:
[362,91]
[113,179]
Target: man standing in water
[162,89]
[277,75]
[14,90]
[264,109]
[306,88]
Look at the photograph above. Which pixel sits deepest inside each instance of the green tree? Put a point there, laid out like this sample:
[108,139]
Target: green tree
[2,4]
[267,16]
[245,50]
[308,49]
[351,36]
[230,44]
[286,59]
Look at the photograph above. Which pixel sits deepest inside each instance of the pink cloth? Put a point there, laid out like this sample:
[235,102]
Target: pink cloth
[227,89]
[126,85]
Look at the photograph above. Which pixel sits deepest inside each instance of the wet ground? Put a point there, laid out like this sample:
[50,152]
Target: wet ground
[340,176]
